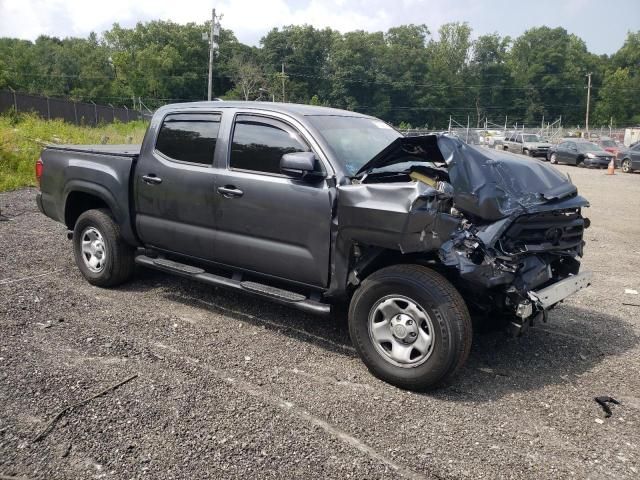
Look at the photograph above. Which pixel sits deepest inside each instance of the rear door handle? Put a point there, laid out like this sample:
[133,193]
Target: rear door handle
[151,179]
[230,191]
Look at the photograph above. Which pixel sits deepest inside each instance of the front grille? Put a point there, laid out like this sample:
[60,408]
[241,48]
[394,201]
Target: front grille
[542,232]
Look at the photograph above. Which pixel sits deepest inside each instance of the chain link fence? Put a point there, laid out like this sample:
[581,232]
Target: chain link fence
[80,113]
[491,136]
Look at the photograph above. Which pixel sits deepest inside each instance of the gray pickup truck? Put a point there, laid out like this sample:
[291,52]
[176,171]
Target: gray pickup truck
[526,143]
[314,207]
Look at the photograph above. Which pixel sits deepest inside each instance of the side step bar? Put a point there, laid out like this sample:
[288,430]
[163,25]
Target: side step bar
[278,295]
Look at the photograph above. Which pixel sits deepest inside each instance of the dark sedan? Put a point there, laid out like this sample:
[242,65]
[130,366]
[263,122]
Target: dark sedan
[580,153]
[629,160]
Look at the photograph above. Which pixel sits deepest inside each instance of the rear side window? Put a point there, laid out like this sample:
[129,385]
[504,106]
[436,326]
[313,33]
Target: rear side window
[258,144]
[189,137]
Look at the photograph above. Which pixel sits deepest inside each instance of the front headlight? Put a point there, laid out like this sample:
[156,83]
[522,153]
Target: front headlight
[590,155]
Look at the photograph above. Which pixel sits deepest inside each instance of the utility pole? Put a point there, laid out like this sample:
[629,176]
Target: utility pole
[586,121]
[610,125]
[213,45]
[283,78]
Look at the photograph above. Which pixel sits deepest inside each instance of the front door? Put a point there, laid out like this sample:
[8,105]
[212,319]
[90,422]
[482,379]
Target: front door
[267,222]
[634,153]
[175,186]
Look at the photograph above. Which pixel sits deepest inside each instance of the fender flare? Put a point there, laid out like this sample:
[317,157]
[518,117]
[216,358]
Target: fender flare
[96,190]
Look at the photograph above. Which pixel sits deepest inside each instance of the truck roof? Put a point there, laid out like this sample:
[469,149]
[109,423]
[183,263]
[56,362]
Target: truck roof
[290,108]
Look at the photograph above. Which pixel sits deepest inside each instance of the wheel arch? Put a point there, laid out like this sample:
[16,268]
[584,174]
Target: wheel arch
[80,196]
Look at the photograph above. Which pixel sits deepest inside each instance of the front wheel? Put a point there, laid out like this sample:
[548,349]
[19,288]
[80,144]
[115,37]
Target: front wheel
[626,165]
[410,326]
[554,159]
[103,257]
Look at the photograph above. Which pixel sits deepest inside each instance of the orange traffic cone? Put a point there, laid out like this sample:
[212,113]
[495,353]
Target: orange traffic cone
[611,170]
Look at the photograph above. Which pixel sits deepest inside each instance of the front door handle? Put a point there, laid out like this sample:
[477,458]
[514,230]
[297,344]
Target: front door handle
[151,179]
[230,191]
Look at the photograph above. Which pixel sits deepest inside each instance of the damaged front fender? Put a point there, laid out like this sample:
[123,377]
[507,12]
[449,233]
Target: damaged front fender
[403,216]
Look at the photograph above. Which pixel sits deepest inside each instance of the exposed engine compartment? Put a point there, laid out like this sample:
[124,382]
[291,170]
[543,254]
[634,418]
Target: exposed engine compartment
[505,226]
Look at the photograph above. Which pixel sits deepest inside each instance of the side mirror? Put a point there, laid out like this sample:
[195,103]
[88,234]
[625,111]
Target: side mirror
[300,165]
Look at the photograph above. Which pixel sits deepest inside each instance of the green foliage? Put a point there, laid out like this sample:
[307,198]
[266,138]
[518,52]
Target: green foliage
[401,75]
[22,137]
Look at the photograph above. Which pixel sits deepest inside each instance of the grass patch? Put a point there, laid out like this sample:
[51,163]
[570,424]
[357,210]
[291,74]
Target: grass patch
[23,136]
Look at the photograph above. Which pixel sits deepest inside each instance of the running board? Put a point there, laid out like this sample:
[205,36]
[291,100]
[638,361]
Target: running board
[278,295]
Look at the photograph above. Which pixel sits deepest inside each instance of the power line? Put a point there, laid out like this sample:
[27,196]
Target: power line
[399,83]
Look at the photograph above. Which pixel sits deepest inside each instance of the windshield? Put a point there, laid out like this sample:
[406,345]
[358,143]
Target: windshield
[589,147]
[531,138]
[354,140]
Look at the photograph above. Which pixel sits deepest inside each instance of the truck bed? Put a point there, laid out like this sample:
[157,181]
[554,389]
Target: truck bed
[126,150]
[104,171]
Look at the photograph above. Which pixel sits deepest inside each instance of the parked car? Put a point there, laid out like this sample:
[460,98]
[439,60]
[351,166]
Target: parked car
[312,207]
[609,145]
[580,153]
[493,136]
[527,144]
[629,160]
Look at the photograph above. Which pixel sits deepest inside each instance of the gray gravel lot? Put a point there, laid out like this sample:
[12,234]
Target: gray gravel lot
[233,387]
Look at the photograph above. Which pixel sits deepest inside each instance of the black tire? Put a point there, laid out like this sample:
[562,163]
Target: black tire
[527,153]
[448,314]
[118,257]
[626,166]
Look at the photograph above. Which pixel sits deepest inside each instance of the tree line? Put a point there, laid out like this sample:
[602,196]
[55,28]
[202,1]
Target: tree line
[405,75]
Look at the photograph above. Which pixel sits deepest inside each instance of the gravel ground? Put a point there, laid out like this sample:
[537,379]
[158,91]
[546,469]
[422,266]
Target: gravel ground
[229,386]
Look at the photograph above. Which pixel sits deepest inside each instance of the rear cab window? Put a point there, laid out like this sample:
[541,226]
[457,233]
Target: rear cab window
[258,144]
[189,137]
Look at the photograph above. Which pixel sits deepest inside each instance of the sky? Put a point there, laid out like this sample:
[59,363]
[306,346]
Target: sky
[602,25]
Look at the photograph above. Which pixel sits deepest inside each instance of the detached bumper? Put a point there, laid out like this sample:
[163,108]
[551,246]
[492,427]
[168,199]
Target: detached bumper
[541,300]
[549,296]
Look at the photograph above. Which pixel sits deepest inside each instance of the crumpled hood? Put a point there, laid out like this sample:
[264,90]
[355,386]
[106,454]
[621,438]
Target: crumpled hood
[488,184]
[491,184]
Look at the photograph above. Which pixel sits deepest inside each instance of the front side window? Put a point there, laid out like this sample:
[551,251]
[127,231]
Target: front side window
[259,144]
[189,137]
[589,147]
[532,138]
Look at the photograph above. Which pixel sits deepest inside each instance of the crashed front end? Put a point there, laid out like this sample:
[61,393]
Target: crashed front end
[508,230]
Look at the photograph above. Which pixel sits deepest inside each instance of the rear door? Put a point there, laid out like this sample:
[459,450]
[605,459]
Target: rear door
[267,222]
[175,186]
[571,154]
[518,144]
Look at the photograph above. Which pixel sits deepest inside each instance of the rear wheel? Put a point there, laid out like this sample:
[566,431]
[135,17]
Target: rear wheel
[103,257]
[626,165]
[410,326]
